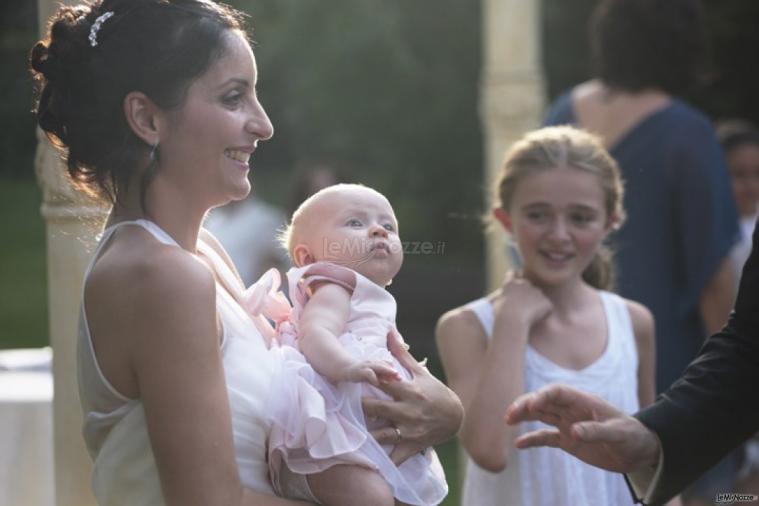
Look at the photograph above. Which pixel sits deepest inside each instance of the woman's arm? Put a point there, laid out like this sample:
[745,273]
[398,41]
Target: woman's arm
[321,322]
[176,360]
[645,342]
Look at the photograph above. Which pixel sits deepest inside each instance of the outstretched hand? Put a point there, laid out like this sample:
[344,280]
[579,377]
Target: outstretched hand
[587,427]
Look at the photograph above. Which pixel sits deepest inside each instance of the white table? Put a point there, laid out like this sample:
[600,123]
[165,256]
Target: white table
[26,428]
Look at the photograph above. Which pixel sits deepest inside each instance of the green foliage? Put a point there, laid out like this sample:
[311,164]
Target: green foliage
[23,288]
[18,33]
[389,89]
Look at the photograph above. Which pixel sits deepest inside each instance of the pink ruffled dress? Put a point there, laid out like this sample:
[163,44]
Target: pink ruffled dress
[316,424]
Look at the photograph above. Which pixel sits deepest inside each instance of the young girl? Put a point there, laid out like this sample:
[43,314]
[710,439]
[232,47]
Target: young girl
[345,246]
[559,195]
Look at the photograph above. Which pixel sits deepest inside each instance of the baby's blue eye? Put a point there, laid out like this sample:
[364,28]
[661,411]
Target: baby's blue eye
[353,222]
[389,227]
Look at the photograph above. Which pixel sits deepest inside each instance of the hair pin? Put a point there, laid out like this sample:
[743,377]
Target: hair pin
[96,27]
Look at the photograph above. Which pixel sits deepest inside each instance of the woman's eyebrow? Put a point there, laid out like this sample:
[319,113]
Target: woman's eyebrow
[235,80]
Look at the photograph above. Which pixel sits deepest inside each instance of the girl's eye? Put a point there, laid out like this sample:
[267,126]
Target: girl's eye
[353,222]
[537,215]
[581,218]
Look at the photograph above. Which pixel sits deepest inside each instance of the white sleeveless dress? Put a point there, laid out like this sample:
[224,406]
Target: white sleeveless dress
[549,476]
[115,431]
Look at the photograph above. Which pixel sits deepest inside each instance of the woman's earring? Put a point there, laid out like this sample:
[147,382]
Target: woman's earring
[153,152]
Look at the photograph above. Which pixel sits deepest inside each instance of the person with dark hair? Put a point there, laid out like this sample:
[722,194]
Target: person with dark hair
[672,252]
[155,105]
[740,142]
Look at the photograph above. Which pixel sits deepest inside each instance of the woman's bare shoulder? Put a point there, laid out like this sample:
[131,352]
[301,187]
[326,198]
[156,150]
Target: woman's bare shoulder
[138,274]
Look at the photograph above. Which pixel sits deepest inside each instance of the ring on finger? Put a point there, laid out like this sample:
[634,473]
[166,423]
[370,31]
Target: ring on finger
[398,435]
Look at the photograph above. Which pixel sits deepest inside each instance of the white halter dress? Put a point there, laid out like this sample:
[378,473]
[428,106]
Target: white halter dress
[115,431]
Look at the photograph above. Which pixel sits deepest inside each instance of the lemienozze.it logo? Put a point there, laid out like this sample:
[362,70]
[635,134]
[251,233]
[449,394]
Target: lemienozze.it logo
[732,498]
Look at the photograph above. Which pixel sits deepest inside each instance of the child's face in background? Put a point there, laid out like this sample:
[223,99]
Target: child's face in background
[743,162]
[559,220]
[356,228]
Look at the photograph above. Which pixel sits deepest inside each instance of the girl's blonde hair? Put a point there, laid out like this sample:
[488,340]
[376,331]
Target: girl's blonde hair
[565,146]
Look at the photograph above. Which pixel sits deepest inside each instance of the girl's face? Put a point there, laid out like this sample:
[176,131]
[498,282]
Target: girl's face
[558,219]
[355,228]
[743,162]
[209,140]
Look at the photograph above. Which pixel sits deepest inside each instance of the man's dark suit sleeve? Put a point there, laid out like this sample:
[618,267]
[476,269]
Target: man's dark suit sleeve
[714,406]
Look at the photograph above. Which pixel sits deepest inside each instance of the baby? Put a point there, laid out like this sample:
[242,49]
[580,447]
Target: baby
[345,246]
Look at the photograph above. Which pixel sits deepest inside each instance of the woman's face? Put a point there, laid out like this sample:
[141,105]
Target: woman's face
[558,219]
[743,162]
[209,140]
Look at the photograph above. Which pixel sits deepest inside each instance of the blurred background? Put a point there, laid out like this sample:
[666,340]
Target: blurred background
[387,93]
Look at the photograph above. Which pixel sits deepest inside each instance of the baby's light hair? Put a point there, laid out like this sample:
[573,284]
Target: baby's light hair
[287,237]
[558,147]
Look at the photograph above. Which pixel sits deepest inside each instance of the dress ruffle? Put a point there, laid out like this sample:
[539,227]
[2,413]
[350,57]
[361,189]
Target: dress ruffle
[316,424]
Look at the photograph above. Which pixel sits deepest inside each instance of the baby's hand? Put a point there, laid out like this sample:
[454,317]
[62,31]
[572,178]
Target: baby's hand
[371,371]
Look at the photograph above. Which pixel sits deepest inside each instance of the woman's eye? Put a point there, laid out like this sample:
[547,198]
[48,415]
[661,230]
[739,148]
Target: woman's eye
[232,100]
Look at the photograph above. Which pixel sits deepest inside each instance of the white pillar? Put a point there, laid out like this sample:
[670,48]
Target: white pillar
[72,221]
[512,99]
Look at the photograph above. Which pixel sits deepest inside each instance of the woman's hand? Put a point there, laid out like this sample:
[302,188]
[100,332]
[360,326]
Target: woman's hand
[424,411]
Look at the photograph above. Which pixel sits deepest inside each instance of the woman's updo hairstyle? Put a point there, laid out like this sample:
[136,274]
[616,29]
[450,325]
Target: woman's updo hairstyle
[558,147]
[157,47]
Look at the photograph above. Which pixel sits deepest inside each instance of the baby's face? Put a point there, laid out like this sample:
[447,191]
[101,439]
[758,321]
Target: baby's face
[354,227]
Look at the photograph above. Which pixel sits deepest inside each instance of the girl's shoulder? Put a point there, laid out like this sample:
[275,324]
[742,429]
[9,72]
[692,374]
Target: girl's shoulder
[470,321]
[641,318]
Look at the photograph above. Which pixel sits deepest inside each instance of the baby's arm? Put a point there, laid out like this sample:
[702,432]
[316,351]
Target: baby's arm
[322,321]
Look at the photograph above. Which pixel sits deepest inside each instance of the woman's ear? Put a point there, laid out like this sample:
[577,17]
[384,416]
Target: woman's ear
[503,217]
[142,115]
[302,255]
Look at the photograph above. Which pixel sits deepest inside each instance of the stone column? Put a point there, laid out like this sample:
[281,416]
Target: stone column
[512,99]
[72,221]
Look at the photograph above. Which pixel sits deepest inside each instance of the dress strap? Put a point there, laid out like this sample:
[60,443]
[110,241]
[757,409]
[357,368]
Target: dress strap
[483,310]
[107,234]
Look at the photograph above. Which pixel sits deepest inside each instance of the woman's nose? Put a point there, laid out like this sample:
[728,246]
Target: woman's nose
[258,124]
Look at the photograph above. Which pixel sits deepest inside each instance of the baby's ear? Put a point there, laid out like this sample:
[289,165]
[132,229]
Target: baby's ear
[302,255]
